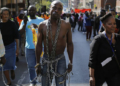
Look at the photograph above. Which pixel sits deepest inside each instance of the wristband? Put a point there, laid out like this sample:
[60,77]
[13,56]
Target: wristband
[37,65]
[70,63]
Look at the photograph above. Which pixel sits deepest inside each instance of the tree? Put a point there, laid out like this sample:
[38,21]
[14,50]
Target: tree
[44,3]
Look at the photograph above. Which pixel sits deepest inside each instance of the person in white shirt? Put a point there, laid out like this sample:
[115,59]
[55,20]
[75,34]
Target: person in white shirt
[2,51]
[67,19]
[84,21]
[72,22]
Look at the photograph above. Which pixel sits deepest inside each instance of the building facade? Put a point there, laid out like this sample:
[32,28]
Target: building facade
[84,4]
[14,5]
[73,3]
[118,6]
[80,4]
[105,4]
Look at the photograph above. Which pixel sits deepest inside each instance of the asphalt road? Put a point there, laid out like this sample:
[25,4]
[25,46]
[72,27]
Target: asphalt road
[80,71]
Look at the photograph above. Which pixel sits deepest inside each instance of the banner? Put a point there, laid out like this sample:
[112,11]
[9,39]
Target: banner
[82,10]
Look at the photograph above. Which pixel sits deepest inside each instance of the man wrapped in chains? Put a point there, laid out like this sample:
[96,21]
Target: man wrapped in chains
[56,34]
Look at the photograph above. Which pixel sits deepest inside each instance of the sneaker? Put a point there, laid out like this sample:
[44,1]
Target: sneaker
[32,84]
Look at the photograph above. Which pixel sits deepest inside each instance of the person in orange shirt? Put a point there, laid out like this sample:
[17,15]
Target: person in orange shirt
[46,17]
[43,16]
[22,37]
[20,17]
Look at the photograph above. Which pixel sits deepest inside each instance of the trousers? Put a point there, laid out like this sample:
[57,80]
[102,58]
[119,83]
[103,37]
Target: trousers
[111,81]
[61,69]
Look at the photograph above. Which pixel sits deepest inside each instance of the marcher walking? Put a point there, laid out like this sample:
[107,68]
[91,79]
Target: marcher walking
[30,27]
[88,26]
[72,22]
[22,37]
[2,51]
[10,37]
[80,22]
[104,59]
[56,34]
[98,23]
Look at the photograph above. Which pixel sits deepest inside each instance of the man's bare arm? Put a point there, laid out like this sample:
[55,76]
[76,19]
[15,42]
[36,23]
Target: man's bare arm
[39,44]
[17,46]
[69,43]
[22,31]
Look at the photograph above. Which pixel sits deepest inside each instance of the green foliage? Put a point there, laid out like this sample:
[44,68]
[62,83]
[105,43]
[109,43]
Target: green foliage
[44,2]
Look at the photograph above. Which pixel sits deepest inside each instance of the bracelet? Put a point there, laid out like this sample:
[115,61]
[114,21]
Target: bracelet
[91,76]
[37,65]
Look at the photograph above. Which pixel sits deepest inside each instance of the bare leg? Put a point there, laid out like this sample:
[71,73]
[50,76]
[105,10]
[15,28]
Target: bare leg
[12,74]
[7,76]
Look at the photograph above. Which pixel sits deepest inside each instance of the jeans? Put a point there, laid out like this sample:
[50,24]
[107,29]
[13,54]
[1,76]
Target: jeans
[111,81]
[31,62]
[61,69]
[10,56]
[84,29]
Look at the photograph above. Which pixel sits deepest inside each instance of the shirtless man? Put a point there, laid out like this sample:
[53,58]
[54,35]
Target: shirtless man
[47,31]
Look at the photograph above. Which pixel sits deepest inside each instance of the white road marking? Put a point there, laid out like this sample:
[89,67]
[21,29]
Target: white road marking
[20,81]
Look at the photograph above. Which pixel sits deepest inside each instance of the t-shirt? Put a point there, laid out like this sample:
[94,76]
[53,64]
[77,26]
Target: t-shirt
[116,16]
[88,22]
[31,33]
[2,47]
[9,32]
[67,19]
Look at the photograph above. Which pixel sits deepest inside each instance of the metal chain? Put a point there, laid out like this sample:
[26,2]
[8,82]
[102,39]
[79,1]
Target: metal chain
[50,71]
[54,42]
[53,48]
[49,62]
[47,39]
[47,79]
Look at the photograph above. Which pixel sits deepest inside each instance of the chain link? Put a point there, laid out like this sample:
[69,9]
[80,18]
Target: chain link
[51,59]
[54,42]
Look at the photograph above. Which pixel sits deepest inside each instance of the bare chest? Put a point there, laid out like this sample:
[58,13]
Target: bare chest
[53,32]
